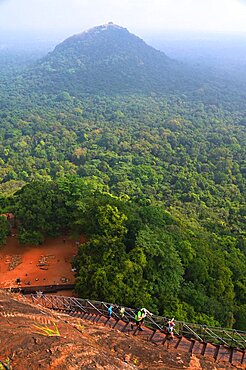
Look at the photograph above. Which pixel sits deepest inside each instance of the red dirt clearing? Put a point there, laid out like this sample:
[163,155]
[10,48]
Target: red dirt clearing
[47,264]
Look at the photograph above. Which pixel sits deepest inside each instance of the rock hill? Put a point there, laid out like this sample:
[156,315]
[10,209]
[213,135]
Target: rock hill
[109,59]
[79,344]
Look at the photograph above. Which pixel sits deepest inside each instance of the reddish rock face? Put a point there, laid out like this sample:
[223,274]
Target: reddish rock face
[77,344]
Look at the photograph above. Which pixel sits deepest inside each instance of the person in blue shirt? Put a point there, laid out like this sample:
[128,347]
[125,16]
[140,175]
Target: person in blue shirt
[110,310]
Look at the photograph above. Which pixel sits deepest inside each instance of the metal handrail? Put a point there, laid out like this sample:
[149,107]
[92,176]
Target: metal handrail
[211,335]
[193,332]
[97,310]
[216,337]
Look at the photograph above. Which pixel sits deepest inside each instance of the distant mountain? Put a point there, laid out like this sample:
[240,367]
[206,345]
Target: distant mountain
[109,59]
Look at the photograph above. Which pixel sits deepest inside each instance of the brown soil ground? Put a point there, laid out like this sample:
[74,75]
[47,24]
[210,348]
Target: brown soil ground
[47,264]
[81,344]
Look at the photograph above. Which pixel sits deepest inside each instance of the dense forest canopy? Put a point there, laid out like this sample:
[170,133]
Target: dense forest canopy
[138,254]
[156,180]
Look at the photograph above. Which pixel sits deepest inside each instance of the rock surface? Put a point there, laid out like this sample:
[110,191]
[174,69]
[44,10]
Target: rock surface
[80,344]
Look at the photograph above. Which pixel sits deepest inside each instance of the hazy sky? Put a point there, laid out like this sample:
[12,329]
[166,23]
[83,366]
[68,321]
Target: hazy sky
[139,16]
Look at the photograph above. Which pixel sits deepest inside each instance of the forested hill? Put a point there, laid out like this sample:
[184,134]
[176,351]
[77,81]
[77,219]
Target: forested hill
[108,59]
[155,178]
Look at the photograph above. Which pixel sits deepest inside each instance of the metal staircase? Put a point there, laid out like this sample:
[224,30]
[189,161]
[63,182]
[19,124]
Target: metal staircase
[221,344]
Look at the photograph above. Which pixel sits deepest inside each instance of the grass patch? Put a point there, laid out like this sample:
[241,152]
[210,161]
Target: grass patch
[47,331]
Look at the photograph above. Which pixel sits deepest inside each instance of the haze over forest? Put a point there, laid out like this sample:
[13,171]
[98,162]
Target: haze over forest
[220,50]
[190,30]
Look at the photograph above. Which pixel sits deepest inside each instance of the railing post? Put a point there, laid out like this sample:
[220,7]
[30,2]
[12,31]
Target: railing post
[216,351]
[204,346]
[152,335]
[117,320]
[107,320]
[125,326]
[231,355]
[164,340]
[191,346]
[178,342]
[243,355]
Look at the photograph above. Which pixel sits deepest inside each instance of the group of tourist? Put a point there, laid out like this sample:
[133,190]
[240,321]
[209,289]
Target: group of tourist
[140,315]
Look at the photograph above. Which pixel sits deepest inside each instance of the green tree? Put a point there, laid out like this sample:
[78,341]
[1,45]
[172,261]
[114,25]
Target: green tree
[4,229]
[163,271]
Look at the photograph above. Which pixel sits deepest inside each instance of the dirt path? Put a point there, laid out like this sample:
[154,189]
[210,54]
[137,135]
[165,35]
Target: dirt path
[48,264]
